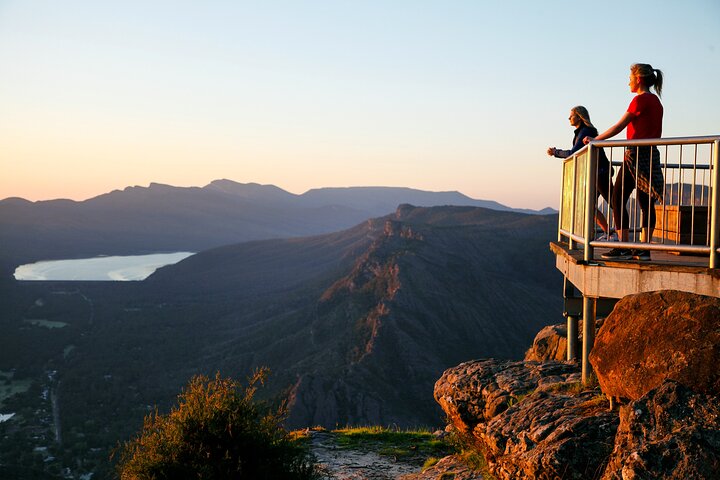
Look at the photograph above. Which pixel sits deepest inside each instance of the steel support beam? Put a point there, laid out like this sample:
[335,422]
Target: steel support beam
[588,336]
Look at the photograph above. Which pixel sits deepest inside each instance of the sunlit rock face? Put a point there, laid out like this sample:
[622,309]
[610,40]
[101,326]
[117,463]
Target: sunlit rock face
[653,337]
[669,433]
[534,420]
[529,419]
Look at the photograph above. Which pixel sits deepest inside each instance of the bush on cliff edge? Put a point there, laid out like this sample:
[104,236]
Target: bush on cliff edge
[217,431]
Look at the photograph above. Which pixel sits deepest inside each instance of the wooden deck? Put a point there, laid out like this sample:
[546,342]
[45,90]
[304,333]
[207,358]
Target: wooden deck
[617,278]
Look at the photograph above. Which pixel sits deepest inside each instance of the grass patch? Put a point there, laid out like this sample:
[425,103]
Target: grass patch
[567,388]
[393,442]
[515,399]
[474,460]
[467,452]
[597,400]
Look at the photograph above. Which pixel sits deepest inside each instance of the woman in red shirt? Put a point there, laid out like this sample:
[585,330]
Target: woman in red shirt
[641,168]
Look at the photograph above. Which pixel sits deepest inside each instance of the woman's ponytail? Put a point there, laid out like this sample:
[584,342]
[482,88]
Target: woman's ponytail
[658,81]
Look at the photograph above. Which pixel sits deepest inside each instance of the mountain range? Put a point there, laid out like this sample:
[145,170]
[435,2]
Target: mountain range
[162,218]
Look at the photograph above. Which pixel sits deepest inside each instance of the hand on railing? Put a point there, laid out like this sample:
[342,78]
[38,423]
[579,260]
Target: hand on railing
[587,140]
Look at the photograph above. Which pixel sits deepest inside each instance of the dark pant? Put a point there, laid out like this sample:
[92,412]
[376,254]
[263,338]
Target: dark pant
[603,182]
[623,188]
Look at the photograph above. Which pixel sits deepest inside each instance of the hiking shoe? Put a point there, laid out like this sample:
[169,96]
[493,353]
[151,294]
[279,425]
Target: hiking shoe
[617,254]
[643,255]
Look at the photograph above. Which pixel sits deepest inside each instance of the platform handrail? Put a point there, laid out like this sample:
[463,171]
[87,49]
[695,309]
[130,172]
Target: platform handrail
[579,197]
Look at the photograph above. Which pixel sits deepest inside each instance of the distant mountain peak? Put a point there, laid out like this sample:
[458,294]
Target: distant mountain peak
[249,190]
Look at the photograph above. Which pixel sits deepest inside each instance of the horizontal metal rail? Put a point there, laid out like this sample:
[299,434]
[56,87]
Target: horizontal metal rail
[655,246]
[706,140]
[676,166]
[690,193]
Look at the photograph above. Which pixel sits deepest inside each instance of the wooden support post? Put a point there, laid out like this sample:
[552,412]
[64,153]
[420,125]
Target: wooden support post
[588,336]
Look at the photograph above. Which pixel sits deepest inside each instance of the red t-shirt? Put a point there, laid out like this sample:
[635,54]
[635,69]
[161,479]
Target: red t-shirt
[647,112]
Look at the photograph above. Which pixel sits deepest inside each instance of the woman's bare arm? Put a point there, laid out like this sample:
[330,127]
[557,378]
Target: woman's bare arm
[612,131]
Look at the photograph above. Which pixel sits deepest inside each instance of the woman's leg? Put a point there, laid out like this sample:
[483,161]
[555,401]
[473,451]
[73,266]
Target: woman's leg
[600,220]
[647,206]
[624,185]
[602,188]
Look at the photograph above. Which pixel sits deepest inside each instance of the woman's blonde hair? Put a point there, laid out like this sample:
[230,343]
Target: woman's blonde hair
[651,77]
[584,115]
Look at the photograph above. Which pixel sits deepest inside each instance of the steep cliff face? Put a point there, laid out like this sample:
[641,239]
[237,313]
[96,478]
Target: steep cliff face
[437,286]
[533,420]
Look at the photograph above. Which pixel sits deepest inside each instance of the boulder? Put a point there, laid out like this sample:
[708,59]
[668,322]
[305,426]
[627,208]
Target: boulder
[551,342]
[653,337]
[669,433]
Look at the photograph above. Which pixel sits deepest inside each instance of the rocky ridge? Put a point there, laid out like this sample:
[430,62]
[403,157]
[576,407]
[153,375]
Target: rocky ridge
[534,420]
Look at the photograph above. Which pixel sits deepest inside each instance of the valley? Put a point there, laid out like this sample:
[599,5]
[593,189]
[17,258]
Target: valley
[355,326]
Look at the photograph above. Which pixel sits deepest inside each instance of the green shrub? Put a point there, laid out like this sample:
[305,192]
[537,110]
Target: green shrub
[217,431]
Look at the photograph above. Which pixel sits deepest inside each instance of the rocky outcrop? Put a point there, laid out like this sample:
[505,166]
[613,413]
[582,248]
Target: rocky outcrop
[535,421]
[528,418]
[448,468]
[653,337]
[550,434]
[477,391]
[670,433]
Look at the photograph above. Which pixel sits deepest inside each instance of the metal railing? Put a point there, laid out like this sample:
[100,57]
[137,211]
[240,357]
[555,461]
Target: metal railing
[687,219]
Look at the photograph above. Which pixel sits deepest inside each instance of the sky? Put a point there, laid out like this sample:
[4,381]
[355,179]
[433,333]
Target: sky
[436,95]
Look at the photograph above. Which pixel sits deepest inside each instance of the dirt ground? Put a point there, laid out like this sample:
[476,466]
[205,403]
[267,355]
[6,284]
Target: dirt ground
[350,464]
[339,463]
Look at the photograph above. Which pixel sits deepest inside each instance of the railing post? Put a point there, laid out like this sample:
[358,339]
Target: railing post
[562,202]
[590,197]
[715,206]
[571,242]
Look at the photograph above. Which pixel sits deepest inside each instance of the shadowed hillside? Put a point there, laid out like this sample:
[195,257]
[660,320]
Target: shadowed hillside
[356,326]
[384,307]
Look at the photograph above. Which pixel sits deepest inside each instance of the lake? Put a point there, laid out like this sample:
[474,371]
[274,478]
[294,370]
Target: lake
[111,268]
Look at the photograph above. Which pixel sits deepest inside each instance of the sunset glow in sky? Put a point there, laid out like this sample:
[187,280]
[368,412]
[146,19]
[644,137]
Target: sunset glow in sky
[436,95]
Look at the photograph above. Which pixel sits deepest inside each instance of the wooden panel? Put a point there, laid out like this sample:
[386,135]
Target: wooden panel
[675,224]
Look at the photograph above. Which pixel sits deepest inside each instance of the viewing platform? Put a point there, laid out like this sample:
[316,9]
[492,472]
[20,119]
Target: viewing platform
[685,245]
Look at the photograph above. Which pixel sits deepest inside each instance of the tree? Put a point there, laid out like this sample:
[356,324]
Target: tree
[217,431]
